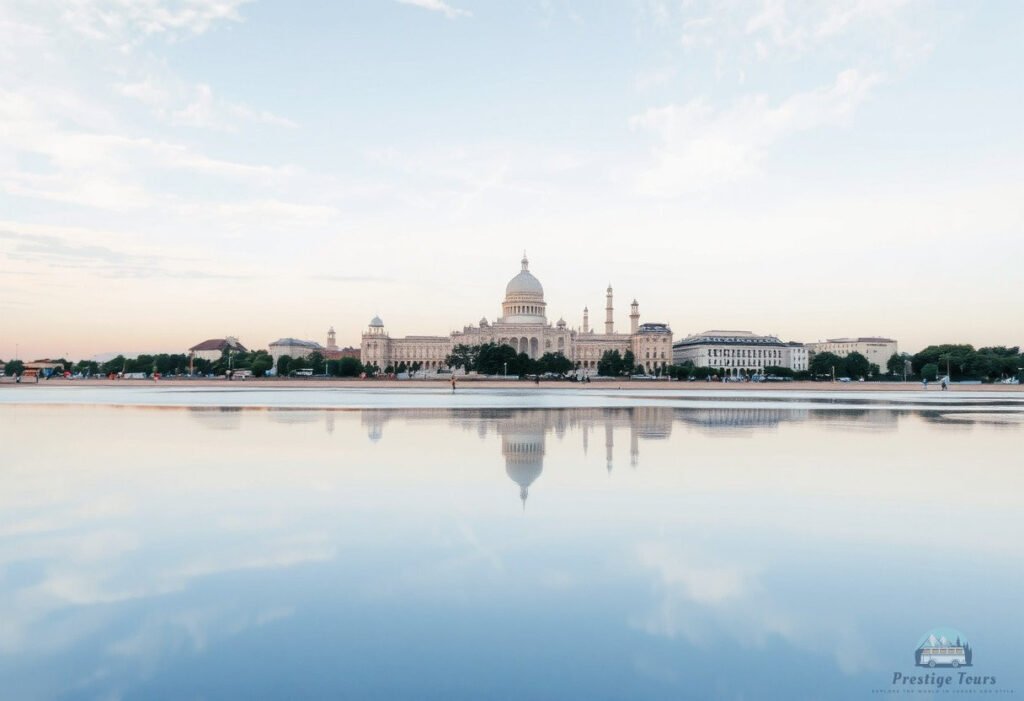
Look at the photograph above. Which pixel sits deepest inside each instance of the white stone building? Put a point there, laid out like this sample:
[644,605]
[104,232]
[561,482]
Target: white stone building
[797,357]
[213,348]
[876,349]
[293,348]
[738,352]
[523,325]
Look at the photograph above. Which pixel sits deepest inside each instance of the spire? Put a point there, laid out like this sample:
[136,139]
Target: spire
[609,318]
[525,261]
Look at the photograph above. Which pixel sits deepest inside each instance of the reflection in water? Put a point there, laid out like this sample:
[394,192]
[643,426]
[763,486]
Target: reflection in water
[755,552]
[523,432]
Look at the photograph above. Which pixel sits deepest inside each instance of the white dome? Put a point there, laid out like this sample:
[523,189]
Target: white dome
[524,283]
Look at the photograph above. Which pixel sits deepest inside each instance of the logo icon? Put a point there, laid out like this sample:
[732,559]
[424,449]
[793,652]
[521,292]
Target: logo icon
[943,647]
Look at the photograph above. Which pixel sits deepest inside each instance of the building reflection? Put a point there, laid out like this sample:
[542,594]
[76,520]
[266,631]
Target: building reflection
[716,418]
[524,432]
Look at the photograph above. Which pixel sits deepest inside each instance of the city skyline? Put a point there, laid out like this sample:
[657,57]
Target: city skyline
[808,172]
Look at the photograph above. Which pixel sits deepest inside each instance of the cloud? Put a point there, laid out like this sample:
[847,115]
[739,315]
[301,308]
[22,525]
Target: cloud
[701,601]
[119,20]
[58,252]
[206,111]
[438,6]
[196,105]
[700,146]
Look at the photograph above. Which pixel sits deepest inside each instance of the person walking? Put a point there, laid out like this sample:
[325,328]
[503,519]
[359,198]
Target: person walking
[453,384]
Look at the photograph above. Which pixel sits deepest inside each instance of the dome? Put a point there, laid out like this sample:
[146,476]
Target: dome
[376,323]
[524,283]
[561,322]
[483,321]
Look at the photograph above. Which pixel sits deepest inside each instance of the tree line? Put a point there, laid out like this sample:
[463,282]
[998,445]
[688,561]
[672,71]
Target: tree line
[962,361]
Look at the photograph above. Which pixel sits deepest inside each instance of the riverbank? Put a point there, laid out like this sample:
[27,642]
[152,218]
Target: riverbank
[491,383]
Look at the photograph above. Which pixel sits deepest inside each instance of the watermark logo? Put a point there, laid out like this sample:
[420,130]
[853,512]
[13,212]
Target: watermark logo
[943,662]
[944,647]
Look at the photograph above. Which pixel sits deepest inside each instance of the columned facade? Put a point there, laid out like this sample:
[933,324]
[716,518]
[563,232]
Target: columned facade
[524,326]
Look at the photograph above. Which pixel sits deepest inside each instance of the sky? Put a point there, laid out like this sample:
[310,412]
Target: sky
[177,170]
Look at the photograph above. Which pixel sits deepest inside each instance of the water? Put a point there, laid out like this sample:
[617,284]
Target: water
[627,548]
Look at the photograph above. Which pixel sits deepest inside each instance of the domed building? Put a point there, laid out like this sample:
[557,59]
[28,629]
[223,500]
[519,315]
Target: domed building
[524,326]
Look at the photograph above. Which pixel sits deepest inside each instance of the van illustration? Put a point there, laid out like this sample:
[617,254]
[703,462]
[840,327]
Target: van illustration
[945,648]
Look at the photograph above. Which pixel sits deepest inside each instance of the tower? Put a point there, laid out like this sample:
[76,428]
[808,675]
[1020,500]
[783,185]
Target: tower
[586,320]
[609,444]
[332,343]
[609,320]
[634,317]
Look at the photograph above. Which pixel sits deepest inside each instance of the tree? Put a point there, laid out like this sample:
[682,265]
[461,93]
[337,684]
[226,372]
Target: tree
[315,360]
[894,365]
[555,363]
[610,364]
[284,365]
[87,367]
[629,363]
[930,372]
[856,365]
[262,365]
[15,367]
[824,363]
[494,359]
[464,356]
[115,365]
[349,367]
[778,371]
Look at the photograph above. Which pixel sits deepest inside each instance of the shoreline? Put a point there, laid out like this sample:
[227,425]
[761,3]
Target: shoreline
[489,383]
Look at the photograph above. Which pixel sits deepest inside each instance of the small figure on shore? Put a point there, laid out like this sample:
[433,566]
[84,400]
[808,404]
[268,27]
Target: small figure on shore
[924,382]
[453,384]
[944,385]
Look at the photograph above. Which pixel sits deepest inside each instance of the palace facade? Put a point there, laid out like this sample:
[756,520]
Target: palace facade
[735,353]
[523,324]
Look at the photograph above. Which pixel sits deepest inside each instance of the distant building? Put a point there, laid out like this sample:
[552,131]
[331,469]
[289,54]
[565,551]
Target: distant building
[45,367]
[332,352]
[876,349]
[797,357]
[346,352]
[524,326]
[294,348]
[213,348]
[738,352]
[299,348]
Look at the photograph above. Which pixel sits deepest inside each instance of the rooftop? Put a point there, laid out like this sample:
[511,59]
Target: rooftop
[721,338]
[219,344]
[296,342]
[861,339]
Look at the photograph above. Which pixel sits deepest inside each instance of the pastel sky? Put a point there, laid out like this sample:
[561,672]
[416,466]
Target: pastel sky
[175,170]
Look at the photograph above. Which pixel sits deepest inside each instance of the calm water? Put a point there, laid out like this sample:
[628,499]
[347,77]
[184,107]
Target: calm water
[706,552]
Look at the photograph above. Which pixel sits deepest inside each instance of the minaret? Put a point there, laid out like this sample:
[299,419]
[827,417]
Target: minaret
[586,320]
[609,319]
[331,339]
[609,444]
[634,317]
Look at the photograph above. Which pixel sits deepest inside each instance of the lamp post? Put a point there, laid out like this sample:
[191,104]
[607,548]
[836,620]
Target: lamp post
[505,372]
